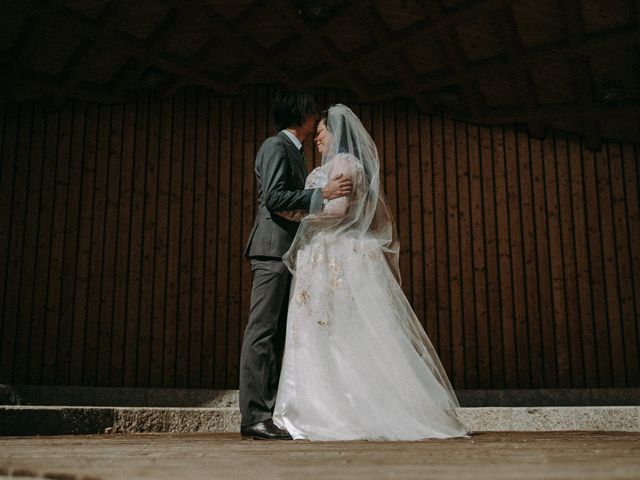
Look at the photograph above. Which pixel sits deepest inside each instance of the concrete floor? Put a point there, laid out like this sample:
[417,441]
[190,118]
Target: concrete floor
[492,455]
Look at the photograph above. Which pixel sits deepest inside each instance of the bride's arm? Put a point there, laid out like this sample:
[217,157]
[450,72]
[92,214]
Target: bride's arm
[342,166]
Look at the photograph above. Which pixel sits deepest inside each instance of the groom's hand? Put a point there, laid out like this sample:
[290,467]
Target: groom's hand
[338,186]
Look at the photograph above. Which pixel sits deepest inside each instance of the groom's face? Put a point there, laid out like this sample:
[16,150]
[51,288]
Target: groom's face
[309,125]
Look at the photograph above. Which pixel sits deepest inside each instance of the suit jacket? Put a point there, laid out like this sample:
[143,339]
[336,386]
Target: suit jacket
[281,173]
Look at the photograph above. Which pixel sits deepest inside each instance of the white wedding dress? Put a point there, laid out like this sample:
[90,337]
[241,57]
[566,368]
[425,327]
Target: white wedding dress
[357,363]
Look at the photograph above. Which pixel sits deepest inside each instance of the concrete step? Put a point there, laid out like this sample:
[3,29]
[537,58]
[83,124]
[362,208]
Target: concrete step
[65,420]
[182,397]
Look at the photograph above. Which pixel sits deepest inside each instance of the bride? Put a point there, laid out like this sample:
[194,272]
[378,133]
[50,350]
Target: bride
[357,363]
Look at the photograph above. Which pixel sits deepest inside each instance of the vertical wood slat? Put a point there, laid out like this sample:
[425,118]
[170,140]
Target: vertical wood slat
[196,334]
[530,260]
[514,234]
[183,315]
[54,306]
[454,267]
[12,178]
[567,222]
[173,321]
[415,196]
[70,248]
[222,261]
[42,320]
[82,266]
[121,274]
[441,248]
[467,275]
[144,291]
[612,287]
[625,280]
[503,215]
[211,235]
[29,247]
[250,146]
[160,250]
[478,260]
[493,280]
[582,267]
[111,255]
[135,333]
[147,289]
[543,262]
[631,192]
[123,229]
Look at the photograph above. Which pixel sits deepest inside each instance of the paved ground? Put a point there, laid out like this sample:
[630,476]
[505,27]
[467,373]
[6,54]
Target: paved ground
[494,455]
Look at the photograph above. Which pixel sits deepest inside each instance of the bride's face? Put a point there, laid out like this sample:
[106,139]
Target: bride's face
[323,137]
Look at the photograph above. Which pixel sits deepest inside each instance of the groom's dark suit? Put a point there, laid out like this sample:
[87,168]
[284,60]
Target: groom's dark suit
[280,171]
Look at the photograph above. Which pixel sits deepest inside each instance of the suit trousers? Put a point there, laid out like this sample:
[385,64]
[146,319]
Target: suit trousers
[264,337]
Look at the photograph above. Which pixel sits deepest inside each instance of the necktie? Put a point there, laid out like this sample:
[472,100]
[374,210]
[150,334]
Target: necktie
[302,153]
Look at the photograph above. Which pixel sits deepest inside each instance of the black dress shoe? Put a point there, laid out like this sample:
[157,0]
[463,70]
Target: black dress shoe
[266,430]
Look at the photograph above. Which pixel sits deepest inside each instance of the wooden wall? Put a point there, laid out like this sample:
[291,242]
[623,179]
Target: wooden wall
[123,226]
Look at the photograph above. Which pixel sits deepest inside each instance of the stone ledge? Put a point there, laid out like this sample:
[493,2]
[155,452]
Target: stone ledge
[69,420]
[181,397]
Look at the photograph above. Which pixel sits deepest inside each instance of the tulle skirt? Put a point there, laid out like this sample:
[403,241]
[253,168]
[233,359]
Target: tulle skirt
[357,363]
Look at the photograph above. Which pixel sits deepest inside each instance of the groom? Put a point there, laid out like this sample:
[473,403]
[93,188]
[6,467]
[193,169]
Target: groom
[280,172]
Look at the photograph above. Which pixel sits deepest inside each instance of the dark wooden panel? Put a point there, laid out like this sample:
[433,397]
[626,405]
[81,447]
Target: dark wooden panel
[542,252]
[416,223]
[70,254]
[42,317]
[196,334]
[123,229]
[58,238]
[622,253]
[209,350]
[15,162]
[478,259]
[490,240]
[503,216]
[29,246]
[161,252]
[223,254]
[82,272]
[467,274]
[631,191]
[598,306]
[609,261]
[183,310]
[146,288]
[136,336]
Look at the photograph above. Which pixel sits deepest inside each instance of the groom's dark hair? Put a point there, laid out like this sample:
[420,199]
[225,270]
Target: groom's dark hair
[291,108]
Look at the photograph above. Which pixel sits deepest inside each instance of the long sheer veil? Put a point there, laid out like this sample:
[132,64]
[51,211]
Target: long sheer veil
[366,221]
[368,214]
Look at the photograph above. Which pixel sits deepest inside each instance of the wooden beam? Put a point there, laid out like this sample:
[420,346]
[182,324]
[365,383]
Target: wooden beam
[23,49]
[252,50]
[156,44]
[448,19]
[506,30]
[402,68]
[85,56]
[329,57]
[530,58]
[580,71]
[92,30]
[454,54]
